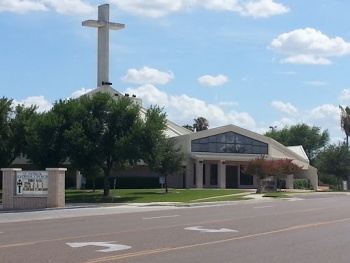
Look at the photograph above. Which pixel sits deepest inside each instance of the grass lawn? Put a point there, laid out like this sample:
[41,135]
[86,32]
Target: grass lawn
[152,195]
[158,195]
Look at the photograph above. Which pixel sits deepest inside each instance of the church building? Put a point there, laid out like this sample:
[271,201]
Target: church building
[215,158]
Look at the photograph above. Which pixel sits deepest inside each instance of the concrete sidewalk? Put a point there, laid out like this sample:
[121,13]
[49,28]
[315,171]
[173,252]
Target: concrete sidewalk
[87,209]
[71,211]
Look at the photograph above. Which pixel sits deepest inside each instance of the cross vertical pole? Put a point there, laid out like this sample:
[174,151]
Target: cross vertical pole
[103,46]
[103,25]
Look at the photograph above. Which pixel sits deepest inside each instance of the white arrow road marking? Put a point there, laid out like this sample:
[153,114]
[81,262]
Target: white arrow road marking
[203,230]
[110,247]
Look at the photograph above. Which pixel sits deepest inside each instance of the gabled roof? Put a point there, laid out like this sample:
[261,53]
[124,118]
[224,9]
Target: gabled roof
[277,150]
[106,89]
[298,150]
[111,91]
[174,130]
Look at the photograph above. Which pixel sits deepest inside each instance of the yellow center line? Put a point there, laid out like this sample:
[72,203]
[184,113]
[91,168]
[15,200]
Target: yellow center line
[161,250]
[134,254]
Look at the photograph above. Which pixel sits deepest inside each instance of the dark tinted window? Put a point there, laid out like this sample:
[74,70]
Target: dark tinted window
[229,142]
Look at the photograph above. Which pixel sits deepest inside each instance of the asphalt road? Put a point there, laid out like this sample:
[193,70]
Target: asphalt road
[312,228]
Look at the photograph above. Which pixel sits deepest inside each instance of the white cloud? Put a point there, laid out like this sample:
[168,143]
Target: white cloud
[345,96]
[152,8]
[307,59]
[326,111]
[183,109]
[147,75]
[60,6]
[40,101]
[254,8]
[228,103]
[78,93]
[158,8]
[284,122]
[208,80]
[19,6]
[263,8]
[284,107]
[309,46]
[316,83]
[326,115]
[70,6]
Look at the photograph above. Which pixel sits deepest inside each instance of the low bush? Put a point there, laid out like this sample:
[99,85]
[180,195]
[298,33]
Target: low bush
[301,184]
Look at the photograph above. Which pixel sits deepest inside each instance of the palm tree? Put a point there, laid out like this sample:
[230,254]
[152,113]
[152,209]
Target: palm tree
[201,124]
[345,122]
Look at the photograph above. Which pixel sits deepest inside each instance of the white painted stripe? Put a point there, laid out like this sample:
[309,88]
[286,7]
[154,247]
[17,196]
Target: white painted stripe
[266,206]
[295,199]
[204,230]
[157,217]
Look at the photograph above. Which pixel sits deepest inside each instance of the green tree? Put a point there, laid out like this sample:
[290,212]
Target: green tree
[46,143]
[188,127]
[166,159]
[311,138]
[13,129]
[151,133]
[110,133]
[264,169]
[345,122]
[200,124]
[335,160]
[101,133]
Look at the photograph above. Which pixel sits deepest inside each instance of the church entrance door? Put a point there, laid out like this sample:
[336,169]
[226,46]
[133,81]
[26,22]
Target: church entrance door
[231,176]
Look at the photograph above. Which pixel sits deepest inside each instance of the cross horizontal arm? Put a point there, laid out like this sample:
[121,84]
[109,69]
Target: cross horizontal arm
[116,26]
[94,23]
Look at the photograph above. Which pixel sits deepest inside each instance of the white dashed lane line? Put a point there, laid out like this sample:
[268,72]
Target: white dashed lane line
[158,217]
[266,206]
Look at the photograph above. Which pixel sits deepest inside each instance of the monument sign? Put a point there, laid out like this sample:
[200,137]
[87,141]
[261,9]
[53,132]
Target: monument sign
[33,189]
[32,182]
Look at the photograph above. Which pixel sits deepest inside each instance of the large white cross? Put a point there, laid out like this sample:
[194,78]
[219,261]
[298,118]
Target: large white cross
[103,26]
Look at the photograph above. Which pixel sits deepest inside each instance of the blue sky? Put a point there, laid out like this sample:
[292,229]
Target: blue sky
[251,63]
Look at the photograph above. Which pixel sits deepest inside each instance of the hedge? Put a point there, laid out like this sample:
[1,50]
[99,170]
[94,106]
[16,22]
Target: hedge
[301,184]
